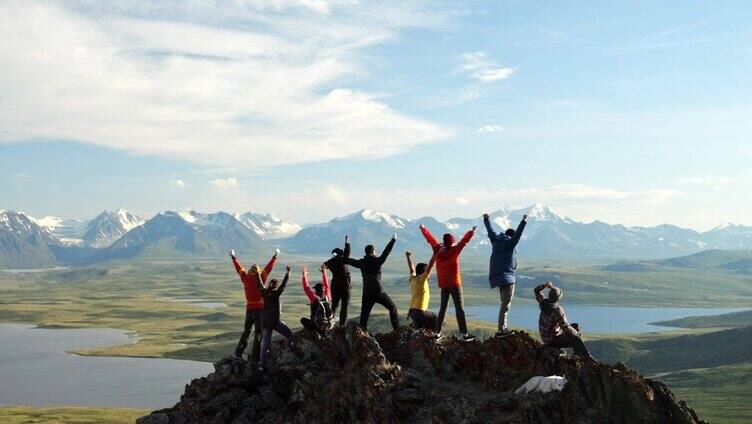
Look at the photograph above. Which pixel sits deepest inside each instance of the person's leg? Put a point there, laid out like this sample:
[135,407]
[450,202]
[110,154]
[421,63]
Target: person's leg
[442,310]
[266,343]
[258,326]
[507,294]
[335,298]
[345,303]
[384,300]
[243,342]
[459,310]
[429,320]
[566,340]
[285,331]
[365,310]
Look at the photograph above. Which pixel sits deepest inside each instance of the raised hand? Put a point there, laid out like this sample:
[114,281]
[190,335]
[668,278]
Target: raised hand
[524,217]
[550,285]
[323,268]
[347,239]
[408,254]
[232,252]
[394,236]
[486,216]
[288,268]
[276,253]
[475,227]
[304,269]
[422,227]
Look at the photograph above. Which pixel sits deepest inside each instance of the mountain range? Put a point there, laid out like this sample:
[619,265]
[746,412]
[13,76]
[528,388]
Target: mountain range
[27,242]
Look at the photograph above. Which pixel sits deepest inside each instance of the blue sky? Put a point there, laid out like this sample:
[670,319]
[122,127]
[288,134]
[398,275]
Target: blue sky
[629,112]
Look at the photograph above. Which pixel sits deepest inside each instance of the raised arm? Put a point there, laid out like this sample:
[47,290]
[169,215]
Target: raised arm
[429,268]
[388,249]
[466,239]
[353,262]
[520,229]
[260,282]
[410,263]
[429,237]
[306,288]
[489,228]
[539,288]
[238,268]
[282,286]
[347,247]
[270,266]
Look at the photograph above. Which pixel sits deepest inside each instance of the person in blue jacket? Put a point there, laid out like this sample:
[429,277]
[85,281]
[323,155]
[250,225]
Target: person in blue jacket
[503,265]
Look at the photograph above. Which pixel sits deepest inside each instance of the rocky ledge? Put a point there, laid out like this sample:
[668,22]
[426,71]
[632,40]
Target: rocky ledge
[407,376]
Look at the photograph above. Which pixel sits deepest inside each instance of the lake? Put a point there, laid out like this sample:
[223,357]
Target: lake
[35,370]
[595,319]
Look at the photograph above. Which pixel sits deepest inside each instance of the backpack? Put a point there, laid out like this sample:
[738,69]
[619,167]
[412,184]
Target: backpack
[322,314]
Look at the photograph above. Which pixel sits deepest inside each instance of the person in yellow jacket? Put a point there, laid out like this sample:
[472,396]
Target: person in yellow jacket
[420,295]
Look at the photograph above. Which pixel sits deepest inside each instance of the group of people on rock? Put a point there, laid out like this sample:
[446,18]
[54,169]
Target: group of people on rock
[263,296]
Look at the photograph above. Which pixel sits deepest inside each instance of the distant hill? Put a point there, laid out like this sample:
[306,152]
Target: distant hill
[734,319]
[728,259]
[674,353]
[23,243]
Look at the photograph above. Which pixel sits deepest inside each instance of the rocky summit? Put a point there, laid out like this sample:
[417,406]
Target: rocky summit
[407,376]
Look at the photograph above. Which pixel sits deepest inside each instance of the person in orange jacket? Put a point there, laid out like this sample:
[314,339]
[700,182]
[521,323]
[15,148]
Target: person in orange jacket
[449,275]
[254,308]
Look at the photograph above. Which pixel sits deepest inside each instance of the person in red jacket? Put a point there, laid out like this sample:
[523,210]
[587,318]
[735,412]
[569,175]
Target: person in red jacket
[449,276]
[254,308]
[320,300]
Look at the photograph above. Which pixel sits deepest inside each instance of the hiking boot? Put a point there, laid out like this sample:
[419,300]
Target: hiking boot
[437,336]
[467,337]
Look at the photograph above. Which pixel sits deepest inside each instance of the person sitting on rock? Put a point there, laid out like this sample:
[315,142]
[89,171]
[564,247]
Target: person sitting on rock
[320,299]
[555,330]
[272,321]
[419,313]
[373,292]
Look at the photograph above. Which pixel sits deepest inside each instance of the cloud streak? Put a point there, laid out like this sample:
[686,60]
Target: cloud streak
[480,67]
[231,84]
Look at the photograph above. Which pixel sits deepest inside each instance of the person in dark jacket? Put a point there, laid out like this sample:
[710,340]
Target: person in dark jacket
[373,293]
[553,326]
[503,266]
[340,280]
[272,321]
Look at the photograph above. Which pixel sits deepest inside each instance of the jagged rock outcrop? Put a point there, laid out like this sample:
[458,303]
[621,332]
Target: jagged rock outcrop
[406,376]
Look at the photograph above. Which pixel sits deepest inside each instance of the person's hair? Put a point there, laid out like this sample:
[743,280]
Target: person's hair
[337,251]
[273,283]
[509,232]
[420,268]
[448,239]
[319,289]
[369,249]
[555,294]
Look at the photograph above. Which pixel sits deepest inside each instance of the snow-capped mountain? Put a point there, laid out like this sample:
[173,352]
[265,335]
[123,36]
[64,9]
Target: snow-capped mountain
[109,226]
[68,231]
[268,226]
[23,243]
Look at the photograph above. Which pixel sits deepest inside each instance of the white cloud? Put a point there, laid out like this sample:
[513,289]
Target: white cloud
[460,201]
[479,66]
[335,194]
[716,183]
[179,183]
[229,182]
[236,83]
[490,128]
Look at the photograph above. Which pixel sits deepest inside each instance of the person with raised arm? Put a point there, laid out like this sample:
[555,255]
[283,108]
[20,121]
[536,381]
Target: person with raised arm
[254,304]
[272,295]
[503,266]
[373,293]
[449,275]
[340,280]
[320,301]
[555,331]
[419,293]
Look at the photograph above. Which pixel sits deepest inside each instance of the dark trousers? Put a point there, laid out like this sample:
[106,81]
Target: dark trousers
[252,320]
[422,319]
[565,340]
[382,299]
[341,292]
[280,328]
[459,310]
